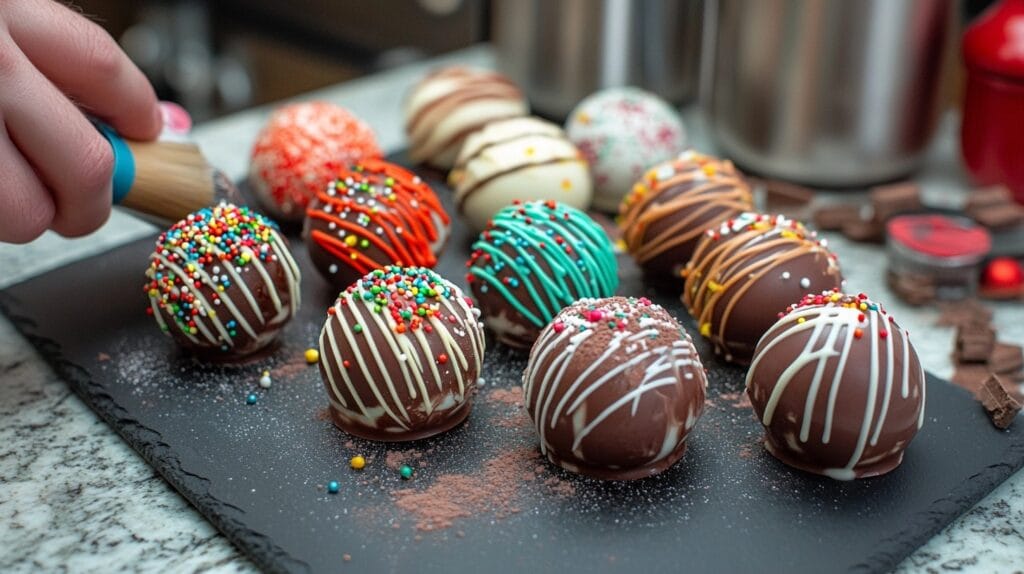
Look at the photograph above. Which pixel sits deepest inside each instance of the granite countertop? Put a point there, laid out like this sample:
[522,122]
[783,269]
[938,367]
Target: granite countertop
[75,497]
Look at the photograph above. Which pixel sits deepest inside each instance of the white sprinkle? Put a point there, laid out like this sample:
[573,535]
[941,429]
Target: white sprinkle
[332,226]
[785,274]
[265,381]
[481,382]
[805,283]
[333,268]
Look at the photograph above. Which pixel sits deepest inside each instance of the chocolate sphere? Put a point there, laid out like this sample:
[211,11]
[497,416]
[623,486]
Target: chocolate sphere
[400,355]
[838,387]
[222,283]
[451,103]
[533,259]
[374,214]
[746,271]
[521,159]
[665,214]
[297,153]
[614,387]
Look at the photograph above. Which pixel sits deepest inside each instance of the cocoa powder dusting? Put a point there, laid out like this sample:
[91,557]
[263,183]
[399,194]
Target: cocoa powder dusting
[737,400]
[452,496]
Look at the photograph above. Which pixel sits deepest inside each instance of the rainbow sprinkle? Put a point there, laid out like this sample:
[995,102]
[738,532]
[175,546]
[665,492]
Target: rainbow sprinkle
[409,295]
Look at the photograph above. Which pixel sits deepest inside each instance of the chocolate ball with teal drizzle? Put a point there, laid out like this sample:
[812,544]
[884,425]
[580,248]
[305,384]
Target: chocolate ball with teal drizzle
[534,259]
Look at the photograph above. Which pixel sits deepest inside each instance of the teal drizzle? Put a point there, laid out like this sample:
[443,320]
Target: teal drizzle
[591,267]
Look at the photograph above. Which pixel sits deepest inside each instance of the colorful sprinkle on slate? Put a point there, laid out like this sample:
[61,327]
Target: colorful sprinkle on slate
[312,356]
[333,487]
[357,462]
[265,380]
[204,252]
[251,398]
[409,295]
[405,472]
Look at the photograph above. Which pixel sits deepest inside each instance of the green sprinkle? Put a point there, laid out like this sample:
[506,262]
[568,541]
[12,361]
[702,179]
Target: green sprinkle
[405,471]
[357,328]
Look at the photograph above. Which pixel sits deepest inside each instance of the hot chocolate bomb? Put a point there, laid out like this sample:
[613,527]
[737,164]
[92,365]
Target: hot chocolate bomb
[400,355]
[614,387]
[838,387]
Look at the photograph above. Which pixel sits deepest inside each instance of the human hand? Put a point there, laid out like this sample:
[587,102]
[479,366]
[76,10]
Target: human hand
[55,168]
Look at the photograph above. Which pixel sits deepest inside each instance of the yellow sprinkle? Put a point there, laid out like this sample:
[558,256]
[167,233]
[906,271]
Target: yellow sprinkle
[153,293]
[835,297]
[355,256]
[266,373]
[220,287]
[350,240]
[357,462]
[583,118]
[566,185]
[787,234]
[529,151]
[801,320]
[714,287]
[705,330]
[312,356]
[193,331]
[863,306]
[212,313]
[708,169]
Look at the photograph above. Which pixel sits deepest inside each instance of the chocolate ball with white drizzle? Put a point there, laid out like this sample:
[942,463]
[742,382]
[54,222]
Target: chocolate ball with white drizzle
[222,283]
[400,355]
[838,387]
[614,386]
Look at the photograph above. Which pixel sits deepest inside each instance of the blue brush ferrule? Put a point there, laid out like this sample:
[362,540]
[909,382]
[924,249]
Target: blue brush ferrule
[124,163]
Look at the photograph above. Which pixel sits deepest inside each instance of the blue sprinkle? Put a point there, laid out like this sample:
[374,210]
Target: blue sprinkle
[333,487]
[252,398]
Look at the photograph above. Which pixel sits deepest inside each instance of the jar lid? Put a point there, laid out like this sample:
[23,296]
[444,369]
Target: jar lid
[940,236]
[994,42]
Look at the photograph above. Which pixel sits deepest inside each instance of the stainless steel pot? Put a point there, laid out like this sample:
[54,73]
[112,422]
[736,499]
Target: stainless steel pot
[825,92]
[560,51]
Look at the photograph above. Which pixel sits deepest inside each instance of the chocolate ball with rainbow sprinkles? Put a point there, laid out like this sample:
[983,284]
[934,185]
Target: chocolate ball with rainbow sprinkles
[222,283]
[400,355]
[533,259]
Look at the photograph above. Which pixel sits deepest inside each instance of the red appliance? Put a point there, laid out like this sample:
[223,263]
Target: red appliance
[992,133]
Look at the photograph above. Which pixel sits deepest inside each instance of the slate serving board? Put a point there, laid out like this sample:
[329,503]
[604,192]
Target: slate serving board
[257,472]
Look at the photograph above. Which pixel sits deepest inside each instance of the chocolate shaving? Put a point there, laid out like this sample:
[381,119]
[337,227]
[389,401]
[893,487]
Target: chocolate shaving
[1000,406]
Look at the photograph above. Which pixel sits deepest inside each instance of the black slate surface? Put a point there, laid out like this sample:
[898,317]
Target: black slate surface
[257,472]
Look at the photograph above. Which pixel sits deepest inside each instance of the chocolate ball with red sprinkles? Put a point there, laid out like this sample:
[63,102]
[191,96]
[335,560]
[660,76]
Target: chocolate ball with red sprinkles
[222,283]
[299,152]
[533,259]
[374,214]
[400,355]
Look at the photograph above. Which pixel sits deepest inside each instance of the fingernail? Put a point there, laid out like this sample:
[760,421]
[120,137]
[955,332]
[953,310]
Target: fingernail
[176,119]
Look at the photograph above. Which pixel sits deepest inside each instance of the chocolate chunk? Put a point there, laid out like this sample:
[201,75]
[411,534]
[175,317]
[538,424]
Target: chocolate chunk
[974,343]
[834,217]
[970,376]
[890,200]
[867,231]
[912,288]
[1006,358]
[998,216]
[998,403]
[783,193]
[988,196]
[955,314]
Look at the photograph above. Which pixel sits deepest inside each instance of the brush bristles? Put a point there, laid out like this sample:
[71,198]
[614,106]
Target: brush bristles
[172,179]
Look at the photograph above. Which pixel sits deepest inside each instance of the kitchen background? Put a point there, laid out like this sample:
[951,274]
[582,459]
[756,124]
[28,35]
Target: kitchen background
[219,56]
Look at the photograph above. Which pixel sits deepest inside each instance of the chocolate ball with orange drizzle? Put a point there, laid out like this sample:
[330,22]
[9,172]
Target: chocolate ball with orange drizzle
[374,214]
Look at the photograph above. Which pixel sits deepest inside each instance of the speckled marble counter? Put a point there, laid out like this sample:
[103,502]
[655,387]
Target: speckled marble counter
[74,497]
